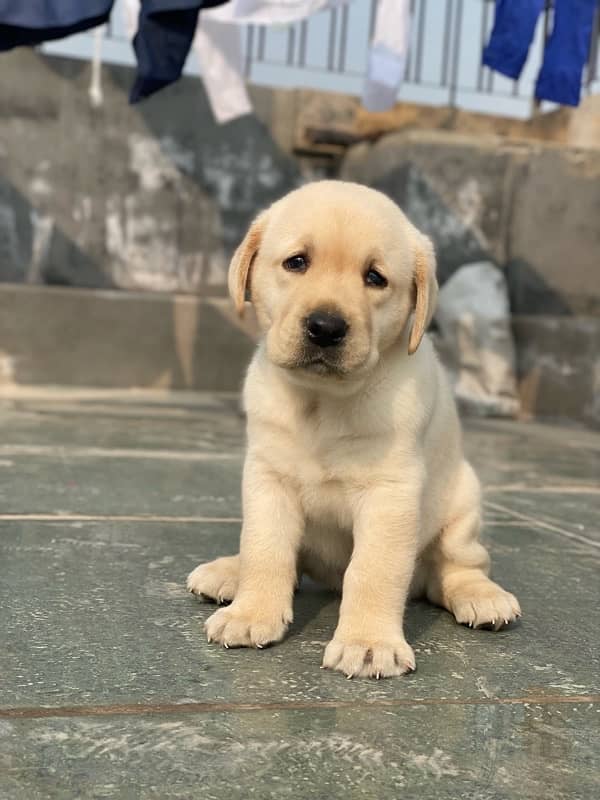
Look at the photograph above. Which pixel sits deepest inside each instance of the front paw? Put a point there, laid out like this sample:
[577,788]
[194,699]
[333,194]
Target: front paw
[218,580]
[244,625]
[369,658]
[484,604]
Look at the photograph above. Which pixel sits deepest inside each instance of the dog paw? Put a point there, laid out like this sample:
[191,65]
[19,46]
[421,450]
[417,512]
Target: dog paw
[239,626]
[217,580]
[485,605]
[360,658]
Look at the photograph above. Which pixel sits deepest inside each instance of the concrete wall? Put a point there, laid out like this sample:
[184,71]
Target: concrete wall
[157,195]
[559,366]
[533,208]
[153,196]
[110,339]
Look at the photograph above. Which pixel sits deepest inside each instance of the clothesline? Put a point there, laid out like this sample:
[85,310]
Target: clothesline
[163,37]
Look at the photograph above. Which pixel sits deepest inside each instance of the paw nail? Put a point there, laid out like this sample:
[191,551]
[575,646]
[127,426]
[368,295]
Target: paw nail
[260,646]
[225,645]
[378,676]
[349,677]
[506,622]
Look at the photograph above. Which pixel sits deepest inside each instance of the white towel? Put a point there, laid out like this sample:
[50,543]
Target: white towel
[387,55]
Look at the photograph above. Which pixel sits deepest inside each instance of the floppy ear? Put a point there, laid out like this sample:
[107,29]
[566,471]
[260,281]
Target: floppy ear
[425,291]
[241,262]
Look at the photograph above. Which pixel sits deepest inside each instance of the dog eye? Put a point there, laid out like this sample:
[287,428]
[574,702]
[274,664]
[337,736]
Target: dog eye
[374,278]
[296,263]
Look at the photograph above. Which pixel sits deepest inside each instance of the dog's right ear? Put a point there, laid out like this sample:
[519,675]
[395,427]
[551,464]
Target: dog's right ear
[241,263]
[425,289]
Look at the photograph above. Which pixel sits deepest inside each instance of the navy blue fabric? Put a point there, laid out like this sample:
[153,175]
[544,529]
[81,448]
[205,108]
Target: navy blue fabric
[31,22]
[165,34]
[565,53]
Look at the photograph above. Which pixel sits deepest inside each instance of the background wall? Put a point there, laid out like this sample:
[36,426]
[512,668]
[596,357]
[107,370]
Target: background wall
[155,197]
[532,208]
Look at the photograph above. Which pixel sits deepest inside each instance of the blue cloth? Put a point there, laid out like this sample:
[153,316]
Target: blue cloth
[514,26]
[31,22]
[565,53]
[164,38]
[165,33]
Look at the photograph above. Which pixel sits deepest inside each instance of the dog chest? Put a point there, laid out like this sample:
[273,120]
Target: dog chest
[321,470]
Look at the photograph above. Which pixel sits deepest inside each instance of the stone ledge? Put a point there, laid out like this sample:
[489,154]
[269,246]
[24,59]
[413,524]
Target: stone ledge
[129,340]
[559,366]
[78,337]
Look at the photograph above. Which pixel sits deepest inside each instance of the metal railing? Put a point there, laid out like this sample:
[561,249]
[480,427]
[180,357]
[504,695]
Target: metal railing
[329,51]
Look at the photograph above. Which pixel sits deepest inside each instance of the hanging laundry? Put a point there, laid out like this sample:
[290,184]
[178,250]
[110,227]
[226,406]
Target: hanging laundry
[511,37]
[387,55]
[565,52]
[27,23]
[166,30]
[219,46]
[270,12]
[219,50]
[95,91]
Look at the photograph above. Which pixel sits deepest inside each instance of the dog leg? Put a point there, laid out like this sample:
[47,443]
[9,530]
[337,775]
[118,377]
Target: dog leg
[218,580]
[369,639]
[458,566]
[273,524]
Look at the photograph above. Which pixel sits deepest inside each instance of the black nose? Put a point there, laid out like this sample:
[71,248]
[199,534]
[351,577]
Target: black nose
[325,329]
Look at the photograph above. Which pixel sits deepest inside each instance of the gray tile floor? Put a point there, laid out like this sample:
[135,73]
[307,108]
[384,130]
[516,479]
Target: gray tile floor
[108,688]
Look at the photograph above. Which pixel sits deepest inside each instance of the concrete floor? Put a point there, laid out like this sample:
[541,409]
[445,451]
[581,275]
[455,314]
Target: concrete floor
[108,688]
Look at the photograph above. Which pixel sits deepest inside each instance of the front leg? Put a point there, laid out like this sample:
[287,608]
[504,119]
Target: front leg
[369,639]
[270,540]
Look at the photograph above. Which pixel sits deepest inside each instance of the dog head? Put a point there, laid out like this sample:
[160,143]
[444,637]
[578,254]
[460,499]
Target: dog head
[336,273]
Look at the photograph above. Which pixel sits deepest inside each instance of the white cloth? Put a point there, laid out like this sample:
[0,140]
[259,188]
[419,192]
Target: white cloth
[131,13]
[218,44]
[95,91]
[268,12]
[387,55]
[220,50]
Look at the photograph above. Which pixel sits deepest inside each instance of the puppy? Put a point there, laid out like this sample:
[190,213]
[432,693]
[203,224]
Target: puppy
[354,473]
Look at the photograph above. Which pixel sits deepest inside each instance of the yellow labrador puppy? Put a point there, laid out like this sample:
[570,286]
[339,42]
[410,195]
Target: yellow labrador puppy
[354,473]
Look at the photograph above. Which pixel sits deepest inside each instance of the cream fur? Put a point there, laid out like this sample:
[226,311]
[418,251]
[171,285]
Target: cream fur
[354,473]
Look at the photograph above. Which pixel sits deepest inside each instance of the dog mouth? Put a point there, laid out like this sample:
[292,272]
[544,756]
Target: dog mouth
[305,360]
[318,364]
[321,366]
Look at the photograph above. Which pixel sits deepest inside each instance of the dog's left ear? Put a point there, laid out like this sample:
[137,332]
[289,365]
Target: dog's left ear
[425,289]
[238,279]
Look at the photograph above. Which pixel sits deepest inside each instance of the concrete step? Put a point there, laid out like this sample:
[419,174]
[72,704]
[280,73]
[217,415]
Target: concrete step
[112,339]
[124,340]
[559,366]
